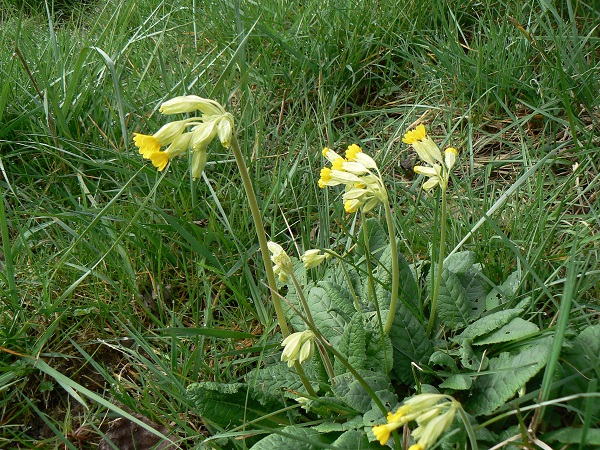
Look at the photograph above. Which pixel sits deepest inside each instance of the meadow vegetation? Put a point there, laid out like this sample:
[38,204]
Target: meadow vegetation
[121,286]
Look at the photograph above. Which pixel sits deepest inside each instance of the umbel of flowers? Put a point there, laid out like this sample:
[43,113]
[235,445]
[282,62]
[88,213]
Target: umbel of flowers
[359,173]
[432,412]
[192,134]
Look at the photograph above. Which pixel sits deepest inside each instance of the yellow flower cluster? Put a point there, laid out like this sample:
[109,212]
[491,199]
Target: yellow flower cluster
[299,347]
[440,168]
[192,134]
[432,412]
[359,173]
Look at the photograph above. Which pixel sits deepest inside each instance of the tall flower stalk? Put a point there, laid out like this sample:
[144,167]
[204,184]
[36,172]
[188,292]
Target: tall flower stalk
[365,189]
[194,135]
[438,173]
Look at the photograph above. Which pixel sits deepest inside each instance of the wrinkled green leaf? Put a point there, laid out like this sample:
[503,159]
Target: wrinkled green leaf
[410,341]
[507,374]
[475,290]
[355,440]
[276,381]
[353,345]
[441,358]
[491,322]
[408,288]
[327,427]
[229,405]
[459,263]
[504,292]
[472,360]
[377,241]
[513,330]
[570,435]
[297,438]
[453,307]
[457,382]
[329,317]
[354,394]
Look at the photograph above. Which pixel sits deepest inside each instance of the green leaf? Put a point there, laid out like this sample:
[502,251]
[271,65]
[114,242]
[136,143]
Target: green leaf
[353,345]
[571,435]
[377,239]
[380,353]
[457,382]
[504,292]
[410,341]
[229,405]
[513,330]
[328,427]
[408,290]
[354,394]
[441,358]
[355,440]
[275,381]
[475,290]
[583,363]
[471,360]
[327,303]
[507,374]
[292,437]
[491,322]
[340,297]
[453,307]
[459,263]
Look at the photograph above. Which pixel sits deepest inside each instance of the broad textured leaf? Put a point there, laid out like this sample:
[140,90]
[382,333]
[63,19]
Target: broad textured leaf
[460,262]
[354,394]
[476,291]
[408,288]
[507,374]
[441,358]
[515,329]
[228,405]
[355,440]
[345,275]
[453,307]
[410,342]
[583,362]
[504,292]
[297,438]
[327,427]
[377,239]
[457,382]
[292,296]
[353,345]
[329,317]
[472,360]
[491,322]
[340,297]
[275,381]
[380,353]
[571,435]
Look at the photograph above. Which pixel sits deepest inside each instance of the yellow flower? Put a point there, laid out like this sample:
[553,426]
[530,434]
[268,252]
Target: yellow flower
[299,347]
[334,177]
[147,144]
[425,409]
[159,159]
[283,264]
[427,150]
[312,258]
[190,103]
[355,153]
[450,157]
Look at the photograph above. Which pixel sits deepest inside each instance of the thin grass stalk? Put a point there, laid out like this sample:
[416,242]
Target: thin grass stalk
[261,234]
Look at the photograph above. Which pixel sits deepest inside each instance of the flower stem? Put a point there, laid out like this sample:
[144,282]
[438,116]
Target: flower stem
[395,270]
[440,263]
[261,234]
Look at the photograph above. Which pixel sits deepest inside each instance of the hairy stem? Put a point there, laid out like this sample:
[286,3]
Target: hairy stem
[440,263]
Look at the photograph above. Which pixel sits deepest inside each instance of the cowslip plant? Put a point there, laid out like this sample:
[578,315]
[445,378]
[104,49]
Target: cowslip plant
[356,337]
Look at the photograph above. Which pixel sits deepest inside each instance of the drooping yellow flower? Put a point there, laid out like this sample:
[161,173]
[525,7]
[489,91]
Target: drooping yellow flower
[283,264]
[214,122]
[428,151]
[312,258]
[359,173]
[299,347]
[433,413]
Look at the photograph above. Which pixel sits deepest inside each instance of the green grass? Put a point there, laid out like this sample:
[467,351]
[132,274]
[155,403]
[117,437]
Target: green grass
[133,284]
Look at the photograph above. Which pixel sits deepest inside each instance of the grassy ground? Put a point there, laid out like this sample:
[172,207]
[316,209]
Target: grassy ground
[134,284]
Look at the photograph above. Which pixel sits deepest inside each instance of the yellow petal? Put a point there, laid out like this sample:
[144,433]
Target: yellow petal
[147,144]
